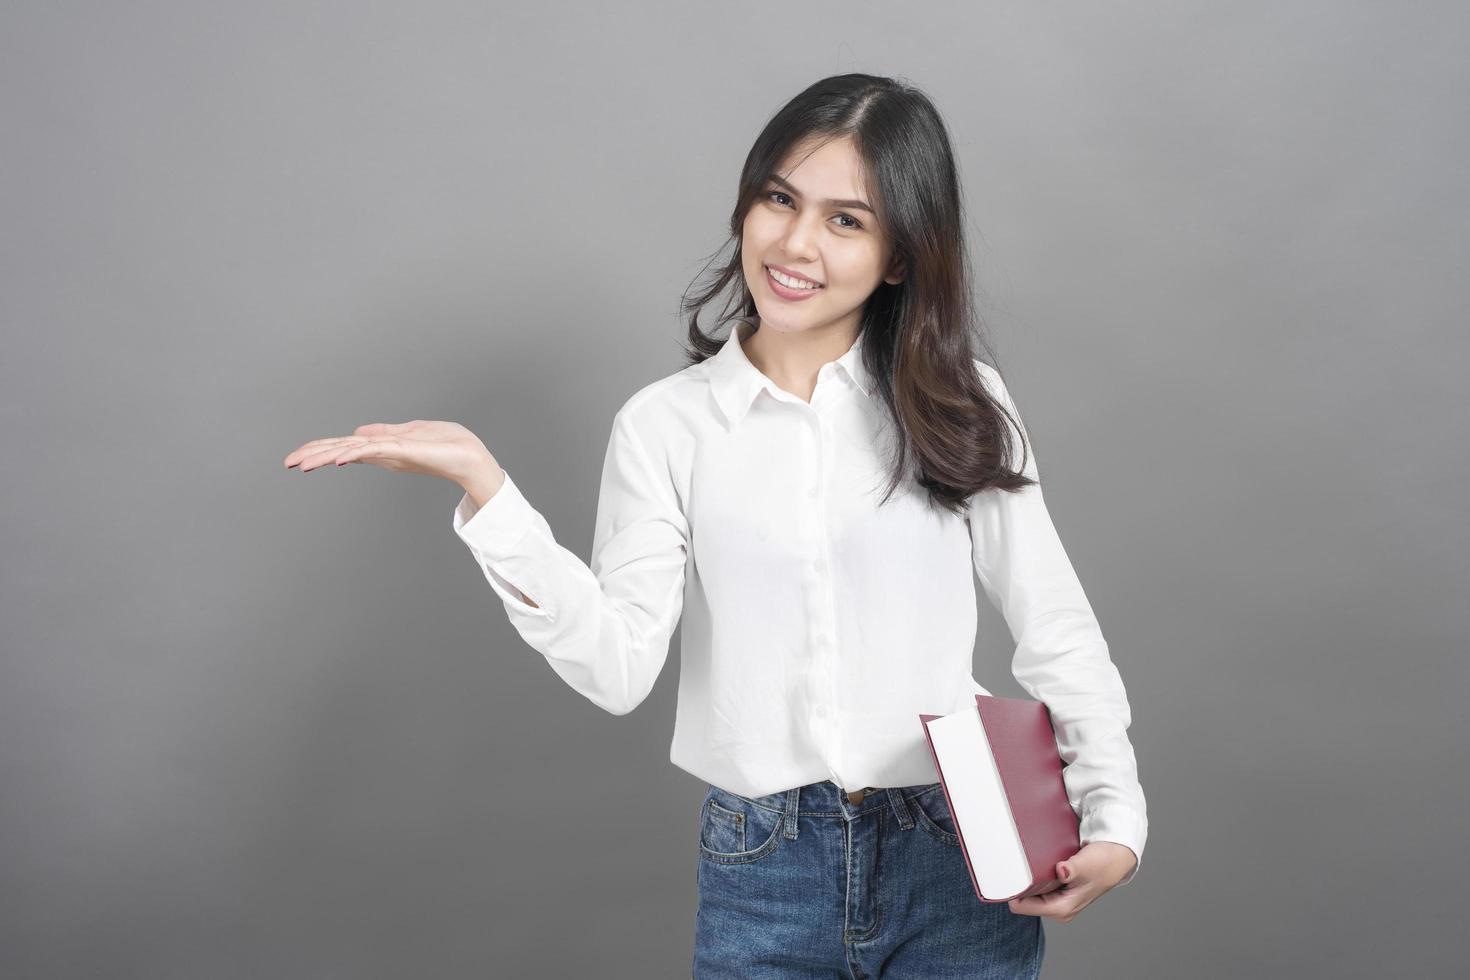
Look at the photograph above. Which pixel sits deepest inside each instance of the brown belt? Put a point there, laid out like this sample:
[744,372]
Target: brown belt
[858,795]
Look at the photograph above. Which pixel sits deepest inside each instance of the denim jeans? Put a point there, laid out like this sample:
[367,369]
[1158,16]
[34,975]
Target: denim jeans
[803,883]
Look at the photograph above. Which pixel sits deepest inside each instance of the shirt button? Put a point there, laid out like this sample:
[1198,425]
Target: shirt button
[812,493]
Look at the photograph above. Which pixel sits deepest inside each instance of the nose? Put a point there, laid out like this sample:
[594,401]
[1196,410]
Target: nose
[799,238]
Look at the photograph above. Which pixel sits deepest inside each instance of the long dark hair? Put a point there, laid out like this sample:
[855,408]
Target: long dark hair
[918,334]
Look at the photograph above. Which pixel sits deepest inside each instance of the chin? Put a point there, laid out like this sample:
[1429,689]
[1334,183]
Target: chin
[782,324]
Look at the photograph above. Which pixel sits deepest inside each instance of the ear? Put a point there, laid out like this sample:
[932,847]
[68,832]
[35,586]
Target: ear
[896,271]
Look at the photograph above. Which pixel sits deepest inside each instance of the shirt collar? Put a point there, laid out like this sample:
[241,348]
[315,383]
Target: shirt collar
[736,382]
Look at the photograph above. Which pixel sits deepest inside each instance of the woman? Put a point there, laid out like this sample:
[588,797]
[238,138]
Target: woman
[823,606]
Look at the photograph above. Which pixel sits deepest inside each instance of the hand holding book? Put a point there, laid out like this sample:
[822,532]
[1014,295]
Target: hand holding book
[1002,777]
[1085,877]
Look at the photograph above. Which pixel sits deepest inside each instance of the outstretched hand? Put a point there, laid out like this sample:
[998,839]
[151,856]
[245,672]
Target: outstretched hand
[1085,876]
[442,449]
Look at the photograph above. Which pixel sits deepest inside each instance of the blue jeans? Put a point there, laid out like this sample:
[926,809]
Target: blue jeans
[803,883]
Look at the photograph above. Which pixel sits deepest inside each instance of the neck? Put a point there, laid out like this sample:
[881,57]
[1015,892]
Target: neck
[792,360]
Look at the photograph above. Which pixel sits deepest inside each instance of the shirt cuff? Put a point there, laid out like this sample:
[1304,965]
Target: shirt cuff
[1119,824]
[493,531]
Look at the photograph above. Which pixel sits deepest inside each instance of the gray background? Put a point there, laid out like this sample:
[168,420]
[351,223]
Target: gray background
[254,723]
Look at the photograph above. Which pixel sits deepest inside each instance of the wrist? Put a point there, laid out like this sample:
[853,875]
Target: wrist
[1123,858]
[482,482]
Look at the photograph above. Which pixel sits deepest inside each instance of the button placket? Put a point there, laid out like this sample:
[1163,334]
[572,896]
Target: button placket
[823,619]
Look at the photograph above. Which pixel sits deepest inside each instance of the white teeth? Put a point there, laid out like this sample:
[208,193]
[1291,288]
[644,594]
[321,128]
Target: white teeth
[789,282]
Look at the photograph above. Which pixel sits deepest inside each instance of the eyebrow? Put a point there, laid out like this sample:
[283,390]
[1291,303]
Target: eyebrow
[830,202]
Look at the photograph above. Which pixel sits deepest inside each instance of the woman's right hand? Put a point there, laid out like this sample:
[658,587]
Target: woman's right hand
[442,449]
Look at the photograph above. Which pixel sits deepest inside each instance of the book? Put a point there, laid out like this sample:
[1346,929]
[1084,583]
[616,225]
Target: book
[1001,775]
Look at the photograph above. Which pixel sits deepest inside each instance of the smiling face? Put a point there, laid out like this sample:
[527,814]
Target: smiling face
[814,226]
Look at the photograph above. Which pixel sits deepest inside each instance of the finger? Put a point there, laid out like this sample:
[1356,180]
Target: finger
[1058,902]
[325,455]
[315,446]
[355,454]
[384,428]
[336,442]
[371,451]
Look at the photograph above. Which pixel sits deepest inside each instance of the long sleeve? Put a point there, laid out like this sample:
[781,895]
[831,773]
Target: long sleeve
[1061,657]
[604,629]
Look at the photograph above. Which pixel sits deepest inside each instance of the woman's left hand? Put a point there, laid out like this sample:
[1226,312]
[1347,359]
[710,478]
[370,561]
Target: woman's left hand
[1085,876]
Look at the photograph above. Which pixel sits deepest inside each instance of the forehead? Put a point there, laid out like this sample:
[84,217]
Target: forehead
[830,168]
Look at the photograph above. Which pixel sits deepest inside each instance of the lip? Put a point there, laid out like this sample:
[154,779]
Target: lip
[784,292]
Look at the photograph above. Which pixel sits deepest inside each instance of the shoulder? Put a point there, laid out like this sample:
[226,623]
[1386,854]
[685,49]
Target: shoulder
[992,380]
[996,387]
[666,395]
[657,413]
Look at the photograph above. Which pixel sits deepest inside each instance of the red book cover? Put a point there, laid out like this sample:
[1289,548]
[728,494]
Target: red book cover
[1024,748]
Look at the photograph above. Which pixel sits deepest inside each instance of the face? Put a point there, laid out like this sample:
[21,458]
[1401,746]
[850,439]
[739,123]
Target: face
[811,224]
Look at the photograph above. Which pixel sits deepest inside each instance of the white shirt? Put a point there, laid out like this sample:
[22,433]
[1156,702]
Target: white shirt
[816,625]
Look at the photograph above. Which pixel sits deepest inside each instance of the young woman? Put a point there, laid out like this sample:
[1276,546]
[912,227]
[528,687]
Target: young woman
[815,495]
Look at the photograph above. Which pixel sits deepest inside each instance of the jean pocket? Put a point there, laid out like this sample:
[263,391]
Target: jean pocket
[931,809]
[735,830]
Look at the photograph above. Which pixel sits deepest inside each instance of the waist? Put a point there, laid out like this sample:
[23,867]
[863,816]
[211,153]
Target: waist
[825,796]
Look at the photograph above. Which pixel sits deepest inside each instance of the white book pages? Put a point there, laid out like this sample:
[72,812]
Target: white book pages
[979,804]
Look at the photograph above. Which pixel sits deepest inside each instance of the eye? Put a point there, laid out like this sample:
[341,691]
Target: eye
[781,198]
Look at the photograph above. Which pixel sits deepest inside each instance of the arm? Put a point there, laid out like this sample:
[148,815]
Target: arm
[1061,657]
[477,493]
[604,629]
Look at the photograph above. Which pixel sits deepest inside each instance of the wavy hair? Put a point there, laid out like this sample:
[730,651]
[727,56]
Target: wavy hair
[919,335]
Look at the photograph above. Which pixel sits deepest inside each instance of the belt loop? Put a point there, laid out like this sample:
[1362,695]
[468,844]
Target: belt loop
[900,808]
[793,798]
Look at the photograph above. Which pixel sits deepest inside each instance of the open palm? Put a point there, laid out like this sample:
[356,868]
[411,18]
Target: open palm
[434,448]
